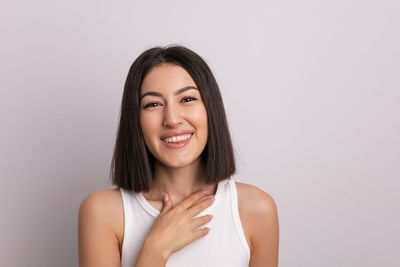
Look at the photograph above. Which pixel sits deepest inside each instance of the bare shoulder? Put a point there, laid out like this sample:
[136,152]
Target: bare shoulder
[257,207]
[101,220]
[255,199]
[107,205]
[103,198]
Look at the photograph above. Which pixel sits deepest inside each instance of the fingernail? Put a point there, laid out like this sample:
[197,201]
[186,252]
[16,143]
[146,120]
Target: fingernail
[204,191]
[166,197]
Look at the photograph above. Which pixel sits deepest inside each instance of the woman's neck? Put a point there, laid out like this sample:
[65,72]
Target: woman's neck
[179,183]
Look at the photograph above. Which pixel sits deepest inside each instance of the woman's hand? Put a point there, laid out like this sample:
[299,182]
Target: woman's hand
[174,227]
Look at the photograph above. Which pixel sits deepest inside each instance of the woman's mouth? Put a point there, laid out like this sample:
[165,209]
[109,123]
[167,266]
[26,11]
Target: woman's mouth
[177,141]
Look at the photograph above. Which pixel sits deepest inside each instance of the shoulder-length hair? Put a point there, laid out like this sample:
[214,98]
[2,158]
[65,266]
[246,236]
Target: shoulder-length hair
[132,165]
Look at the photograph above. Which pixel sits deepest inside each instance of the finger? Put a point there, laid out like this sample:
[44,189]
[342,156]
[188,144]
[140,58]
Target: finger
[189,201]
[200,233]
[167,204]
[196,209]
[203,198]
[202,220]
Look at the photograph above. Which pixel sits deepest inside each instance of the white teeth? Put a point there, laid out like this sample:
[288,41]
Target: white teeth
[177,138]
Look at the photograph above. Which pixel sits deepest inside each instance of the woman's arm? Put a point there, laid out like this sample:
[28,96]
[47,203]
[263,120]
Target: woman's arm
[263,223]
[97,241]
[149,256]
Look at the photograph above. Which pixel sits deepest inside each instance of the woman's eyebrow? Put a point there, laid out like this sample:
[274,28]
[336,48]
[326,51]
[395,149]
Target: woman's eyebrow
[177,92]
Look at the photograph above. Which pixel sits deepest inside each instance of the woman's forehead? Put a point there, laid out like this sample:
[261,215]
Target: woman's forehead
[166,78]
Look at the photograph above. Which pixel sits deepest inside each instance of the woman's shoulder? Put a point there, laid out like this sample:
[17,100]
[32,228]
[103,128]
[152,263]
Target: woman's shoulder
[253,196]
[104,201]
[255,207]
[106,207]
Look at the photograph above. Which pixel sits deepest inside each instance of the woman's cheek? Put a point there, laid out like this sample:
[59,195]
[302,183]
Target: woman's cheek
[147,125]
[198,117]
[199,114]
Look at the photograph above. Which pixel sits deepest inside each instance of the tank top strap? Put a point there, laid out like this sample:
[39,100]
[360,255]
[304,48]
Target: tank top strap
[236,217]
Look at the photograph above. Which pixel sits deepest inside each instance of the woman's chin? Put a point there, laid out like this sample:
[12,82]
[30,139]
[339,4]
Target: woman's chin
[177,163]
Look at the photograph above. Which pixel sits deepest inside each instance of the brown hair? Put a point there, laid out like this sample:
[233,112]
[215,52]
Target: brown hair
[132,165]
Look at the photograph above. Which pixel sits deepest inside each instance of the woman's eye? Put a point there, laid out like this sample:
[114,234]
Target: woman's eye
[150,104]
[153,104]
[189,97]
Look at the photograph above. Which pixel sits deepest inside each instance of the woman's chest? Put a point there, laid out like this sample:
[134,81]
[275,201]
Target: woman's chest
[244,218]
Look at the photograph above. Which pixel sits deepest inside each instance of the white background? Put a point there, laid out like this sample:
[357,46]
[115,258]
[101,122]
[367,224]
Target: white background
[311,90]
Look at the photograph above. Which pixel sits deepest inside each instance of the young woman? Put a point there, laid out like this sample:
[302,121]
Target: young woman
[173,154]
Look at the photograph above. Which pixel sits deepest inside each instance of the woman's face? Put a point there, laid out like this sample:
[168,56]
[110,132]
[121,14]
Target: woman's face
[165,110]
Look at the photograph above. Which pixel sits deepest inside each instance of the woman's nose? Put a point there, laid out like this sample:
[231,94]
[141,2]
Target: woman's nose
[172,116]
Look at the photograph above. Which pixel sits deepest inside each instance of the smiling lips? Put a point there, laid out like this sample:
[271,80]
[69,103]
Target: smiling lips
[176,133]
[178,138]
[177,141]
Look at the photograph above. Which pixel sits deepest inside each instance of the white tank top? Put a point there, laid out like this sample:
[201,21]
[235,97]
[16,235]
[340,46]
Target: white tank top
[224,245]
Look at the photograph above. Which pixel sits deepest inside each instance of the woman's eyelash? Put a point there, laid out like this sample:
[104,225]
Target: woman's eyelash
[148,105]
[188,97]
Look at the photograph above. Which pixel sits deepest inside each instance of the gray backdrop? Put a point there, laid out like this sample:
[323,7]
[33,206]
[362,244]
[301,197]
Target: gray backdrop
[311,91]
